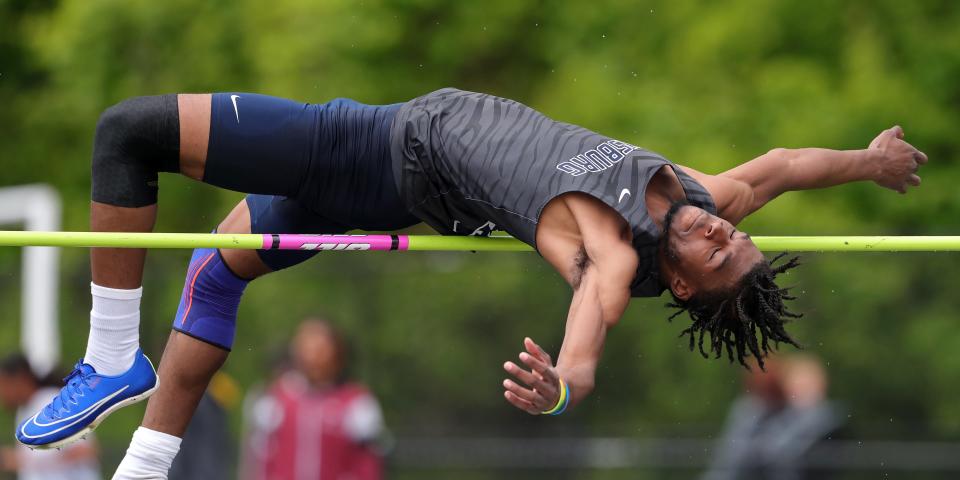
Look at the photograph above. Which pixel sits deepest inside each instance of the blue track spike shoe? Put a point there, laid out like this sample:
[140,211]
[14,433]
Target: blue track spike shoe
[86,400]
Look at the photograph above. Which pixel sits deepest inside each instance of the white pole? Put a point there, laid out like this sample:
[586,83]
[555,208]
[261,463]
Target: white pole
[38,207]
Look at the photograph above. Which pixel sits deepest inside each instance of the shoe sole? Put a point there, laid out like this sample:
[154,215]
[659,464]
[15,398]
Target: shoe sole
[100,418]
[96,422]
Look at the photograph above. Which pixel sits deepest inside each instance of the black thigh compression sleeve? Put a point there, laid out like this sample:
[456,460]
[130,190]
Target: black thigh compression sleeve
[135,139]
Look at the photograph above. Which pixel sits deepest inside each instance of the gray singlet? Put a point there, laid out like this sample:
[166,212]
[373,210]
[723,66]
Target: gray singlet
[469,163]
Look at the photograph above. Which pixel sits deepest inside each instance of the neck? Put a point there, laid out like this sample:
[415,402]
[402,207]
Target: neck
[664,189]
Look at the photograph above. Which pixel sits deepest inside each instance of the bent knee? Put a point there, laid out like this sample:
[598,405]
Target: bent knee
[210,299]
[134,140]
[145,128]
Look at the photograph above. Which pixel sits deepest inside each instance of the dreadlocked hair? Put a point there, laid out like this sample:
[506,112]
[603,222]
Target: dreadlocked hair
[744,320]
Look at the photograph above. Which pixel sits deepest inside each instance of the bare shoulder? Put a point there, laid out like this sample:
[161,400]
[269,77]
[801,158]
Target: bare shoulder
[733,197]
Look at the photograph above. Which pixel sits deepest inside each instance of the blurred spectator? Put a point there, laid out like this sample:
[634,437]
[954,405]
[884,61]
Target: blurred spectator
[208,451]
[775,424]
[311,423]
[24,392]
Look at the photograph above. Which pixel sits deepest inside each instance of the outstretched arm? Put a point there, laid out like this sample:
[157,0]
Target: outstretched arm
[600,269]
[889,161]
[591,314]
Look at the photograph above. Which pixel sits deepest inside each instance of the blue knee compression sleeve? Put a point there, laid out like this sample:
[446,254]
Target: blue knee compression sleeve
[211,297]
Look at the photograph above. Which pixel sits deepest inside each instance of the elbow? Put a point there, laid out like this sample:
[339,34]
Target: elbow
[779,167]
[784,158]
[612,309]
[611,320]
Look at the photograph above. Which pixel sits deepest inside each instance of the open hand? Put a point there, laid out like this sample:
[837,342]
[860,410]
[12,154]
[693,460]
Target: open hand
[898,161]
[540,387]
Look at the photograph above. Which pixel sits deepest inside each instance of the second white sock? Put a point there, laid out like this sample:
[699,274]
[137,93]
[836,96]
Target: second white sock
[114,329]
[149,457]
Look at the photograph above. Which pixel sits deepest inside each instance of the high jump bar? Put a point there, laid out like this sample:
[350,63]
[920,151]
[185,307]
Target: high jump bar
[434,243]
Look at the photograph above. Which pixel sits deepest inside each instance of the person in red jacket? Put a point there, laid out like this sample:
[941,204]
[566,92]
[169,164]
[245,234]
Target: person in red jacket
[312,423]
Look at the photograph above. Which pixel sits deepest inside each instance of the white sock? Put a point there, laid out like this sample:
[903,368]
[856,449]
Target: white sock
[114,329]
[149,457]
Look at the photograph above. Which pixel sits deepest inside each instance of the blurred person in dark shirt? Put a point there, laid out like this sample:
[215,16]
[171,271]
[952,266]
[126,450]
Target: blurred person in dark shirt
[772,428]
[24,392]
[208,451]
[311,422]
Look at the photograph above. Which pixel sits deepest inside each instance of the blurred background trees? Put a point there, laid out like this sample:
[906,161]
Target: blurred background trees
[707,84]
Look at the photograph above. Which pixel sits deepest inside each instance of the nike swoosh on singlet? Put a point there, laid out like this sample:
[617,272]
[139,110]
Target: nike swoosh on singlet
[625,191]
[233,98]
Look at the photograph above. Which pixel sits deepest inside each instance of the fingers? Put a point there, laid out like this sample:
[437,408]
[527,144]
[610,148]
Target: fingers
[546,371]
[524,376]
[913,180]
[920,157]
[536,399]
[520,403]
[542,389]
[886,136]
[533,362]
[544,357]
[541,381]
[524,393]
[535,350]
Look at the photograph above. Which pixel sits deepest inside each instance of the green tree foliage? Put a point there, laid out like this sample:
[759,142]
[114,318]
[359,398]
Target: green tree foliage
[707,84]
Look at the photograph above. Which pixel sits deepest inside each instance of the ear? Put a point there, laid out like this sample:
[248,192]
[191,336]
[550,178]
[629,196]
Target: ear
[680,288]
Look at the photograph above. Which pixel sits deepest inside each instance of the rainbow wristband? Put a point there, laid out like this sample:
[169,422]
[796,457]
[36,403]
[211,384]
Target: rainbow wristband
[562,402]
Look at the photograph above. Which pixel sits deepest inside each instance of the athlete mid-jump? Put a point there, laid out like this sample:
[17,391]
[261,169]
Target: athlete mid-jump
[613,219]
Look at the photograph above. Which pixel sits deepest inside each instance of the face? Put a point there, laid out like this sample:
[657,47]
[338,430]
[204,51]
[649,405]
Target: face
[805,382]
[705,252]
[314,352]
